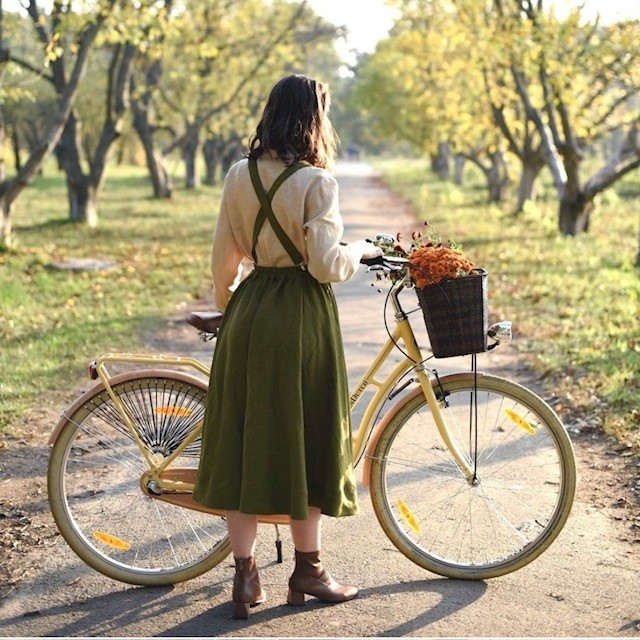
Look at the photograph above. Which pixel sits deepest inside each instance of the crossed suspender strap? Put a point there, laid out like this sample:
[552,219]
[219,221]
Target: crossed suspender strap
[266,210]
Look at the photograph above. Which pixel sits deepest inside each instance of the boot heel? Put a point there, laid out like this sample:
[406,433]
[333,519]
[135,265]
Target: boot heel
[295,598]
[240,610]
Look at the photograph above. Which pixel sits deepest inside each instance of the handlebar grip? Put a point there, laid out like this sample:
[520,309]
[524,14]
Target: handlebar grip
[372,261]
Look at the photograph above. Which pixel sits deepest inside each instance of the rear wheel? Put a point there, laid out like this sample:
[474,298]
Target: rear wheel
[525,471]
[94,482]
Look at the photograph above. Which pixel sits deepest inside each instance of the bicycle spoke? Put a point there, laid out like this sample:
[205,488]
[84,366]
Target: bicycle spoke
[410,464]
[112,522]
[473,529]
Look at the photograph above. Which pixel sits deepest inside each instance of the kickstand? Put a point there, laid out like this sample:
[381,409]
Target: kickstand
[278,545]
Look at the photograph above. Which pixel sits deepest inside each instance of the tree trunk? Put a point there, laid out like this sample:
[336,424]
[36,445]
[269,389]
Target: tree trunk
[84,188]
[232,154]
[497,188]
[458,169]
[15,144]
[142,110]
[575,204]
[575,213]
[5,221]
[80,191]
[526,188]
[83,200]
[497,177]
[160,179]
[190,152]
[3,168]
[80,194]
[211,153]
[118,103]
[440,162]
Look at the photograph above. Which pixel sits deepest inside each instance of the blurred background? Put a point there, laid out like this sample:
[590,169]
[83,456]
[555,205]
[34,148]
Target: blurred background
[510,125]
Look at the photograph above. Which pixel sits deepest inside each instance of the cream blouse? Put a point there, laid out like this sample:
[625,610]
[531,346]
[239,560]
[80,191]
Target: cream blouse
[306,206]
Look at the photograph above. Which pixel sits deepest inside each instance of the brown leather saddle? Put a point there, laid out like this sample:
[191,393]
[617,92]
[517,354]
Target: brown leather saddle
[205,321]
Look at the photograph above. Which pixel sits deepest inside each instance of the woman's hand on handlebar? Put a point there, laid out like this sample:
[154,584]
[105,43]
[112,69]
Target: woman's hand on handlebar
[369,250]
[371,254]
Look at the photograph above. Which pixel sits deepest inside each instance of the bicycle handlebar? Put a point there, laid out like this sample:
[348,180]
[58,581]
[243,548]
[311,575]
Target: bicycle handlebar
[393,262]
[370,262]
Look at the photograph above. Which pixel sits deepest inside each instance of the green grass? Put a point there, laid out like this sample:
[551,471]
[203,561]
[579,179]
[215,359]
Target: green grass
[53,322]
[575,301]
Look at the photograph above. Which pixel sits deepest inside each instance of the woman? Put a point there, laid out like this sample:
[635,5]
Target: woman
[277,433]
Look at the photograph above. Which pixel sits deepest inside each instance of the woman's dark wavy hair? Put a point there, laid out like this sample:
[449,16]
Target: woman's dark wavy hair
[295,123]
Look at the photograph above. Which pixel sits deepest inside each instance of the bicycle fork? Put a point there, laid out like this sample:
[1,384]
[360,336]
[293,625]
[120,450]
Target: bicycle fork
[413,351]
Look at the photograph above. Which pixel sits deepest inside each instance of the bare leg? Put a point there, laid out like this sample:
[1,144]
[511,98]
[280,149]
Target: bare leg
[307,533]
[247,592]
[243,530]
[309,576]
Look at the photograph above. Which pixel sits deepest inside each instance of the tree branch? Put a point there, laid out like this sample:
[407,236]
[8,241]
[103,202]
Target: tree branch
[567,128]
[202,119]
[34,13]
[57,65]
[595,27]
[120,70]
[548,104]
[7,56]
[615,105]
[499,118]
[475,158]
[549,149]
[627,159]
[214,110]
[594,96]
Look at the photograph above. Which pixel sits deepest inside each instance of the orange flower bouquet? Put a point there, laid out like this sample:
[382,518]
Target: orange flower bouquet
[452,292]
[431,264]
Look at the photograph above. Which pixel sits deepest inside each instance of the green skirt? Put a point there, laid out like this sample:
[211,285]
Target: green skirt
[277,432]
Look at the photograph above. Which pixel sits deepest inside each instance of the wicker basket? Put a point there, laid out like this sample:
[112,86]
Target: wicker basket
[456,314]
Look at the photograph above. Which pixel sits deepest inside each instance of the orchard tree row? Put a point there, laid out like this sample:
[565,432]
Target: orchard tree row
[501,80]
[184,76]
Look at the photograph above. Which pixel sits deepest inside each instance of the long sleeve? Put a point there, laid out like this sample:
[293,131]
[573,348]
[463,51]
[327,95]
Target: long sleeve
[226,258]
[329,261]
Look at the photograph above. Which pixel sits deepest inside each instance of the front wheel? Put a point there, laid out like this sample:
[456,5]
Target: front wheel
[94,477]
[474,528]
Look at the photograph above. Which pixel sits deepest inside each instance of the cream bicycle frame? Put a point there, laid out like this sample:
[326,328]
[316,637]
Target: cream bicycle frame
[384,387]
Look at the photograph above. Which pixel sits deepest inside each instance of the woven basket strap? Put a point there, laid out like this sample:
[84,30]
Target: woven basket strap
[266,211]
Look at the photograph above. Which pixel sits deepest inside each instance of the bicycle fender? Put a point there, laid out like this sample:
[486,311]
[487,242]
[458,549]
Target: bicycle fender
[382,425]
[69,411]
[117,379]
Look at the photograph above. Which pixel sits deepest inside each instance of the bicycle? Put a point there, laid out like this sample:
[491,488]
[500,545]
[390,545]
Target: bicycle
[471,476]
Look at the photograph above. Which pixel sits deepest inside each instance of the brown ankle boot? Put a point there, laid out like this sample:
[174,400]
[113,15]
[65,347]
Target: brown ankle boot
[310,578]
[246,587]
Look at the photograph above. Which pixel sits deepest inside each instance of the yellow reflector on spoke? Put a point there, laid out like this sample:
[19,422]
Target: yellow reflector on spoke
[520,421]
[111,540]
[174,411]
[407,514]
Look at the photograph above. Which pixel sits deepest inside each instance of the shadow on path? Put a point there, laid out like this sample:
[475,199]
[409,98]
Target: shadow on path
[108,615]
[454,596]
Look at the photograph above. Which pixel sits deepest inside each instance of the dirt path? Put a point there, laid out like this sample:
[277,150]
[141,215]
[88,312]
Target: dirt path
[586,584]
